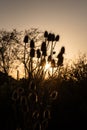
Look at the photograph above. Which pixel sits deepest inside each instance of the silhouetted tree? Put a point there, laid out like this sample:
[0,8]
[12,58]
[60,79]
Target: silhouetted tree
[8,47]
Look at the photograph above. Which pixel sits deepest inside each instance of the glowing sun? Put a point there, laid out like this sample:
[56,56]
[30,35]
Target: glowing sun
[47,66]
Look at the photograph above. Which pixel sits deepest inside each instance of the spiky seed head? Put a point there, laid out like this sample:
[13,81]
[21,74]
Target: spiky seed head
[63,50]
[32,44]
[26,39]
[53,37]
[57,38]
[32,53]
[38,53]
[46,34]
[49,37]
[43,46]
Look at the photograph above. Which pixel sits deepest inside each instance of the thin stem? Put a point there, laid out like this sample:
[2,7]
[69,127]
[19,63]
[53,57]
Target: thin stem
[24,59]
[51,49]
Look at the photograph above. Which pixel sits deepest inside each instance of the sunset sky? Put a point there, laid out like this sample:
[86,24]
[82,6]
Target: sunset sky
[68,18]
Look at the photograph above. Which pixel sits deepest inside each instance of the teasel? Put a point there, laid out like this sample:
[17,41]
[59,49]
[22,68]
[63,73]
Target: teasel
[32,53]
[62,50]
[46,34]
[38,53]
[44,53]
[32,44]
[43,46]
[60,56]
[60,59]
[25,39]
[53,37]
[57,38]
[49,37]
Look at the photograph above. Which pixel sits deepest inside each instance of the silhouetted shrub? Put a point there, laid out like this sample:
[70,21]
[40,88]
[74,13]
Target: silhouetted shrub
[58,102]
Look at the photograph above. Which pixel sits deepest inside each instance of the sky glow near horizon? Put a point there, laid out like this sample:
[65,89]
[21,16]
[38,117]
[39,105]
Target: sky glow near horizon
[68,18]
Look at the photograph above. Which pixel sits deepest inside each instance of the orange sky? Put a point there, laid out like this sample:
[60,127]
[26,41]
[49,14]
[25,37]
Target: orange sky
[68,18]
